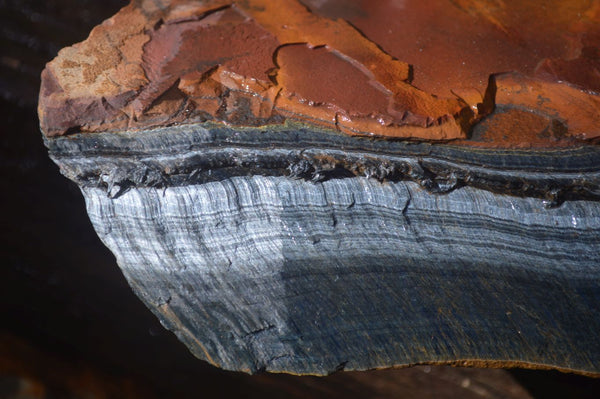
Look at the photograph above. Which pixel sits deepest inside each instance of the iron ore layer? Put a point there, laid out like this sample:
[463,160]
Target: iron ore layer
[414,70]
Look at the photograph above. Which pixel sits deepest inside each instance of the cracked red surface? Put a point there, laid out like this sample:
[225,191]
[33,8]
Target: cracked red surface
[396,68]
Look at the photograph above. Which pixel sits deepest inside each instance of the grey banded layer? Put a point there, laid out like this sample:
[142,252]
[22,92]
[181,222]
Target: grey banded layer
[280,274]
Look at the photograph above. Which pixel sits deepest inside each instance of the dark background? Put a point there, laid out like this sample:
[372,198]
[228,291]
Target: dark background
[70,327]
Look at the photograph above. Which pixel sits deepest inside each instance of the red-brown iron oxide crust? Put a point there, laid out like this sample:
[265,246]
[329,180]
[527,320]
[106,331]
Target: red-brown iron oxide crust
[427,70]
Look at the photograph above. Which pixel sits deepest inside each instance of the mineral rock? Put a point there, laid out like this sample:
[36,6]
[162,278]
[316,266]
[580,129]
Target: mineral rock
[309,187]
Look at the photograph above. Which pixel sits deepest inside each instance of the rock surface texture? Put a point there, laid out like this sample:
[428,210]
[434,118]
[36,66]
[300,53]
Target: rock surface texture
[318,186]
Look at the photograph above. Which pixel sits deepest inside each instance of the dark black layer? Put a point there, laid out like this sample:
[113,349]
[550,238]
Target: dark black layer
[191,154]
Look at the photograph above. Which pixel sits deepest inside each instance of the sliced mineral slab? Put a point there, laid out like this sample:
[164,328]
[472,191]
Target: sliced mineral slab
[313,186]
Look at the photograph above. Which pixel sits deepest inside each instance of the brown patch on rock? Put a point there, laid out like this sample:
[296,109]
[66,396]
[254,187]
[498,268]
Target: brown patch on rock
[347,95]
[583,71]
[517,128]
[94,81]
[224,37]
[456,44]
[576,109]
